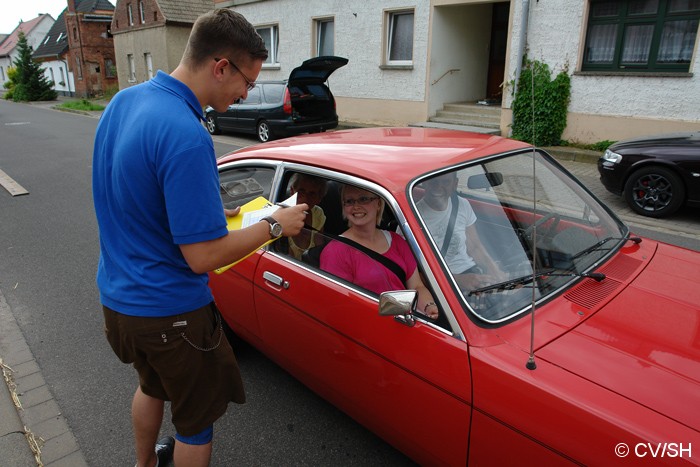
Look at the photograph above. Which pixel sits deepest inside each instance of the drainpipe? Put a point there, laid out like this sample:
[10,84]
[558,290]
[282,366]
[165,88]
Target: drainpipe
[521,44]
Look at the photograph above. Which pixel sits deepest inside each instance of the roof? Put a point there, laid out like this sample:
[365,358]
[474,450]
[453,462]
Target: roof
[184,11]
[55,43]
[9,44]
[91,6]
[389,156]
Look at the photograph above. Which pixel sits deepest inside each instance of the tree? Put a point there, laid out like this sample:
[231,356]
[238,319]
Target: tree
[31,84]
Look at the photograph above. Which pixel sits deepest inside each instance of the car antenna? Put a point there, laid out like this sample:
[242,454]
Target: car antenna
[531,364]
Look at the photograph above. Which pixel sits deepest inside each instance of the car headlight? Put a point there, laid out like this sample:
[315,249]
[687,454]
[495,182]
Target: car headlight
[612,157]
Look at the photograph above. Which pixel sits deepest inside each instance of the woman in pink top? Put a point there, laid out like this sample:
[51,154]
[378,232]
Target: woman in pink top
[363,211]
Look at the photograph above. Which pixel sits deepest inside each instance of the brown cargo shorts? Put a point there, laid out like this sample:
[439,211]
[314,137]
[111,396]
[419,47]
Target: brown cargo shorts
[184,359]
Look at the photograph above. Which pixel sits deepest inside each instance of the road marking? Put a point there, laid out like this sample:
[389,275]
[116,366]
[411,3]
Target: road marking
[10,185]
[17,123]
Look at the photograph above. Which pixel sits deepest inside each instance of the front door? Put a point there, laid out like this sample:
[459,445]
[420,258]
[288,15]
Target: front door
[497,50]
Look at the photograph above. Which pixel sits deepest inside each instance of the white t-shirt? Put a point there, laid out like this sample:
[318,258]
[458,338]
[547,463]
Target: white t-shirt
[458,260]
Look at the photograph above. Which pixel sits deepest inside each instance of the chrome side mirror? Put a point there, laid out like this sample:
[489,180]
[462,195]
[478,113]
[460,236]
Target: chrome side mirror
[399,304]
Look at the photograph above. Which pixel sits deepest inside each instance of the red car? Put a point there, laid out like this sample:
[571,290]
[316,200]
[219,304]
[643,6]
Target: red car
[583,349]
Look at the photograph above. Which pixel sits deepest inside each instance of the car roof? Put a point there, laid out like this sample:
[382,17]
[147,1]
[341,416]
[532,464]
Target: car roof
[389,156]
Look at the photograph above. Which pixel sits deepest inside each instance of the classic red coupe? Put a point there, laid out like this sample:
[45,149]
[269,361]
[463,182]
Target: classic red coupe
[561,338]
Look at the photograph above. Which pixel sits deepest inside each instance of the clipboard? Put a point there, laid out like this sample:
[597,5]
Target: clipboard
[252,212]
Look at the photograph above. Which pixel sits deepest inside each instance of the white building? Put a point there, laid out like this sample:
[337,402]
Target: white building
[34,30]
[633,63]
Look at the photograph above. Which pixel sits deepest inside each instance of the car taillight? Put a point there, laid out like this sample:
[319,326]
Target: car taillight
[287,107]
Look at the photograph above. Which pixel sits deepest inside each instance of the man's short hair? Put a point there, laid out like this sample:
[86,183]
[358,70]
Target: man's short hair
[223,33]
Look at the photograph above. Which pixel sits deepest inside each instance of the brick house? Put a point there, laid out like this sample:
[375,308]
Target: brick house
[151,35]
[91,47]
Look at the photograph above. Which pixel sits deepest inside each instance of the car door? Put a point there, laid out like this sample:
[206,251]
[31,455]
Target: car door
[247,111]
[411,385]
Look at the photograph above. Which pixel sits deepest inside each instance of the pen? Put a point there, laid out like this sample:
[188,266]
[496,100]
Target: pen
[282,205]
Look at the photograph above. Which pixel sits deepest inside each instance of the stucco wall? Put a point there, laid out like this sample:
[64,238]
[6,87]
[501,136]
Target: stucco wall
[358,37]
[602,107]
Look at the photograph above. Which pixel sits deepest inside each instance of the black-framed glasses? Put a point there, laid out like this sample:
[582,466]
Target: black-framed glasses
[250,84]
[362,200]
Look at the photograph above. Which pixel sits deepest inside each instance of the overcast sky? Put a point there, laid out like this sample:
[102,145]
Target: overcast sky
[15,10]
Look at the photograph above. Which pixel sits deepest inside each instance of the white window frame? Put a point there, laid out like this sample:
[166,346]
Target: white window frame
[273,45]
[142,12]
[132,67]
[389,22]
[320,34]
[131,14]
[60,36]
[148,61]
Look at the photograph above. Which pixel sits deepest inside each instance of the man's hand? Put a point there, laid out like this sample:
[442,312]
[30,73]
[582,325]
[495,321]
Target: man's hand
[291,218]
[232,212]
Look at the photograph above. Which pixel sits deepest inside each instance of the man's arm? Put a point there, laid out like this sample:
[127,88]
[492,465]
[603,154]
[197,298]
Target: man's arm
[206,256]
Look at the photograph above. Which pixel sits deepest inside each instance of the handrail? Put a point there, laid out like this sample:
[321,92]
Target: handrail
[445,74]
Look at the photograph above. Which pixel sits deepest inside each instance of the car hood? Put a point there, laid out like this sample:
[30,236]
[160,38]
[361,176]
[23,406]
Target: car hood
[317,69]
[647,338]
[670,139]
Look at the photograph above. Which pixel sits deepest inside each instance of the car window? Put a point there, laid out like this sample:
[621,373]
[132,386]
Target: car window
[252,98]
[239,185]
[497,251]
[273,92]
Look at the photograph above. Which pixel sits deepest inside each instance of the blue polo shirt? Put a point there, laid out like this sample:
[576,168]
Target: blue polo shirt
[155,186]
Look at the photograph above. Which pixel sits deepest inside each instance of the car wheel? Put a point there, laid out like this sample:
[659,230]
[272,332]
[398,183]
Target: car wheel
[264,132]
[212,126]
[654,191]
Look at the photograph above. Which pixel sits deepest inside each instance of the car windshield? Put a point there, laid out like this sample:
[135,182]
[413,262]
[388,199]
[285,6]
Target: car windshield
[514,229]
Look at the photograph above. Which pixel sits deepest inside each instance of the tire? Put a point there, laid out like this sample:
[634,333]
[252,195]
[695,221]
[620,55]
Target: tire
[263,131]
[654,191]
[212,125]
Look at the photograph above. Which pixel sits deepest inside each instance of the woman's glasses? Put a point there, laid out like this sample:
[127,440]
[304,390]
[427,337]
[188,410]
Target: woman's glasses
[362,200]
[250,84]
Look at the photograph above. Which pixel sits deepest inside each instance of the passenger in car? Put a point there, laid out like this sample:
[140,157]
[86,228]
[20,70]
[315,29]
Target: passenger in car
[363,211]
[452,224]
[310,190]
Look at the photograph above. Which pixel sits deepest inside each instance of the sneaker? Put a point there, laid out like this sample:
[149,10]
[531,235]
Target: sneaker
[164,450]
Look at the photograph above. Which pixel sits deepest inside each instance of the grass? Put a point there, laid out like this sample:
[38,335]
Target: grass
[82,104]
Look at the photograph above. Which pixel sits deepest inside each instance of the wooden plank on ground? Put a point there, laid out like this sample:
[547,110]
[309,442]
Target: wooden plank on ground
[10,185]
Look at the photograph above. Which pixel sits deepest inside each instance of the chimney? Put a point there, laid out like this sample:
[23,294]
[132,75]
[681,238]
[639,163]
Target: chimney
[71,6]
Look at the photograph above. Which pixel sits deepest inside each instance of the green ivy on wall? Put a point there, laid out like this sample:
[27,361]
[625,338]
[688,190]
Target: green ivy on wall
[551,101]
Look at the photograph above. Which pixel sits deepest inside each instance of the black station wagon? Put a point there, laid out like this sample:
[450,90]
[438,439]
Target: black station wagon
[301,104]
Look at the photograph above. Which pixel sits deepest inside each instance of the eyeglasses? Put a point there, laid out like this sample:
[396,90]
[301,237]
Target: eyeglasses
[362,200]
[250,84]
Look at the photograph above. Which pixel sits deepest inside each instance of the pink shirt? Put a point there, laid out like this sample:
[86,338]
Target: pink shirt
[355,266]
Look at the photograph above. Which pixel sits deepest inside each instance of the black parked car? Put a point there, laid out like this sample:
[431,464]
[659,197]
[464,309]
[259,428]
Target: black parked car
[656,174]
[301,104]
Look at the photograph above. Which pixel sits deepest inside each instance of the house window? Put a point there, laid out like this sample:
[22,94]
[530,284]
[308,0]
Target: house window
[270,35]
[110,69]
[47,39]
[53,80]
[2,74]
[148,60]
[132,68]
[641,35]
[131,14]
[325,36]
[60,36]
[63,78]
[142,12]
[75,34]
[399,37]
[78,67]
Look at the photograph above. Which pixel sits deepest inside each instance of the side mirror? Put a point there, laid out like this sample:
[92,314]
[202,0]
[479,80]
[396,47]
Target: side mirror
[399,304]
[485,181]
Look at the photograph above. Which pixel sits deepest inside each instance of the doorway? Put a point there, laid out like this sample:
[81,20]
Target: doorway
[497,52]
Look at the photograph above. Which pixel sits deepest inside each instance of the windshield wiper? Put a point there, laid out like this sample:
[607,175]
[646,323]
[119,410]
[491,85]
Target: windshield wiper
[522,280]
[602,242]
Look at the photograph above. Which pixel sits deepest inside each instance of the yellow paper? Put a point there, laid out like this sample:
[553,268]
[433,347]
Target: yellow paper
[251,212]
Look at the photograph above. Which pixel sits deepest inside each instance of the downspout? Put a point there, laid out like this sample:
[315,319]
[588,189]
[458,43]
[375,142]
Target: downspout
[521,47]
[63,60]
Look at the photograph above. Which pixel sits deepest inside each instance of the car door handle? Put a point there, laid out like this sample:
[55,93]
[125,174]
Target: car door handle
[275,279]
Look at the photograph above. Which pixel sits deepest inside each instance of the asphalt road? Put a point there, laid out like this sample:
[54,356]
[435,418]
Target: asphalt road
[48,256]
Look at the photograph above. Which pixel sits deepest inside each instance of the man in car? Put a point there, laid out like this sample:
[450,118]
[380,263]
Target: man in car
[163,227]
[453,227]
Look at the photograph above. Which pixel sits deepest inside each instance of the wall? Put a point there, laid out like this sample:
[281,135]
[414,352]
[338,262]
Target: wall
[93,46]
[68,86]
[603,107]
[362,83]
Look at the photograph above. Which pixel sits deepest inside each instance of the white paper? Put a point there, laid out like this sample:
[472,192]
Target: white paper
[250,218]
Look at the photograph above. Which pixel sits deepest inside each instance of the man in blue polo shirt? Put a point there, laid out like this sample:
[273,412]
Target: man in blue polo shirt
[163,227]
